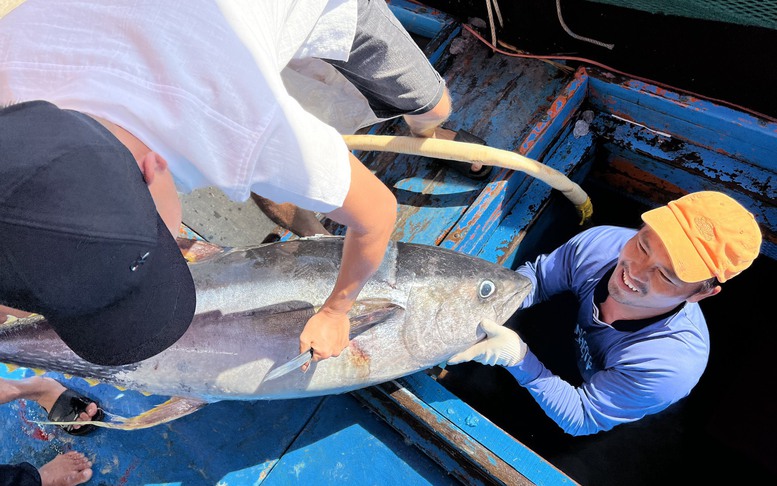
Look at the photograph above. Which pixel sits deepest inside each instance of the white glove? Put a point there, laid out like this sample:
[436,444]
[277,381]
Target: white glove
[502,346]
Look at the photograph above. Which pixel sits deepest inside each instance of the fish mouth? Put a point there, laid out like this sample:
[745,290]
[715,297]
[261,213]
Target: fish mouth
[512,302]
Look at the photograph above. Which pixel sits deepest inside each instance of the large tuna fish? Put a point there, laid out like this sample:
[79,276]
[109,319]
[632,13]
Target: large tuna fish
[422,306]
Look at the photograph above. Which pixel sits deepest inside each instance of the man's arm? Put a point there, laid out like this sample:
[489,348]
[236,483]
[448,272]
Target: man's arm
[549,274]
[612,397]
[626,392]
[369,211]
[577,410]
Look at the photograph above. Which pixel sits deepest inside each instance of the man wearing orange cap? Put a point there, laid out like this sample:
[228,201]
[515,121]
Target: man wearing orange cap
[641,341]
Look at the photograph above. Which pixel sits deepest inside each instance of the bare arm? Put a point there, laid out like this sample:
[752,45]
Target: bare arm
[369,212]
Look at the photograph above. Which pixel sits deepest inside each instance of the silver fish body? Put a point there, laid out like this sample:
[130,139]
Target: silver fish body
[252,304]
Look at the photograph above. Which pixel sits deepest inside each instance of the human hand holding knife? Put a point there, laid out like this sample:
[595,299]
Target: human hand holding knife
[359,324]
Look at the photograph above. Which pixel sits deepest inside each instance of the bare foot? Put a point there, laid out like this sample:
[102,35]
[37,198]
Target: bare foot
[66,469]
[301,222]
[443,134]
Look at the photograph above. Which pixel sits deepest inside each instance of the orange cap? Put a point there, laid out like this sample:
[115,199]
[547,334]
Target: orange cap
[707,234]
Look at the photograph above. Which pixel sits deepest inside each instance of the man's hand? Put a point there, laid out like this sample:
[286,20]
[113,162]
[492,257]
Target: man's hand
[327,333]
[502,346]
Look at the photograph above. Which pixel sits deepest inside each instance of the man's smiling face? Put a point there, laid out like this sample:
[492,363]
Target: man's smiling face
[644,276]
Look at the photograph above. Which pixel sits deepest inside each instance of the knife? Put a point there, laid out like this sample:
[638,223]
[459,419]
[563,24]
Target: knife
[359,324]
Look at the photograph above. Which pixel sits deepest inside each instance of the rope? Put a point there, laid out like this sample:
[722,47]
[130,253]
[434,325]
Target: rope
[572,34]
[491,18]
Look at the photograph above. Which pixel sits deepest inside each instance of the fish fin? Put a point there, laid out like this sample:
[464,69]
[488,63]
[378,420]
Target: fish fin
[370,312]
[175,407]
[12,322]
[195,250]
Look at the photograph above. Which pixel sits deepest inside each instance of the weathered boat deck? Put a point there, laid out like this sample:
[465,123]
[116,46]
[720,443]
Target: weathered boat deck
[414,431]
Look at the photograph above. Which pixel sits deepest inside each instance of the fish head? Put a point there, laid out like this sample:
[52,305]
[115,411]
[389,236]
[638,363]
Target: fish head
[449,293]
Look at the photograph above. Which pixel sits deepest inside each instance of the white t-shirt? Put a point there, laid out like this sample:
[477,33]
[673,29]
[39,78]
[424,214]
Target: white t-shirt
[178,75]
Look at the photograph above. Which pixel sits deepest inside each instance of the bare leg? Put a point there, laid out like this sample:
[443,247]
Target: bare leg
[299,221]
[424,125]
[66,469]
[42,390]
[427,124]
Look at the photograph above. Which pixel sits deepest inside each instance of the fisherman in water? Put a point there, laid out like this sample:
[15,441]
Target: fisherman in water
[113,108]
[641,341]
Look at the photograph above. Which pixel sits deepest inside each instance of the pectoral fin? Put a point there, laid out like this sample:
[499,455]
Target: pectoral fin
[367,313]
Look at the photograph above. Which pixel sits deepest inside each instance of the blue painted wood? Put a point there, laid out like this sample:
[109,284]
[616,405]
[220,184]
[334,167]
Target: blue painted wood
[331,440]
[737,175]
[345,444]
[704,171]
[419,19]
[718,128]
[485,90]
[428,439]
[697,160]
[202,448]
[428,23]
[480,429]
[567,155]
[495,204]
[547,127]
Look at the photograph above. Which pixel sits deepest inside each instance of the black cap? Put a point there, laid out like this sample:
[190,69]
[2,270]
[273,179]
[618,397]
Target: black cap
[81,241]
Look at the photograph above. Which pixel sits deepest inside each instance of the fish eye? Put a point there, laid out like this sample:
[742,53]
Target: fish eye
[487,289]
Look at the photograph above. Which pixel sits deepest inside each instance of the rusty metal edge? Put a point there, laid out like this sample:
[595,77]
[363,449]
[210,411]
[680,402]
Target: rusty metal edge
[438,437]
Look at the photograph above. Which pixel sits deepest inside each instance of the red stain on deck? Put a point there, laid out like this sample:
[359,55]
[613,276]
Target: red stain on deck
[125,477]
[39,434]
[29,427]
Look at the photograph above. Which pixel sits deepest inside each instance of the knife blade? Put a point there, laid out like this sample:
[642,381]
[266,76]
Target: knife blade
[290,365]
